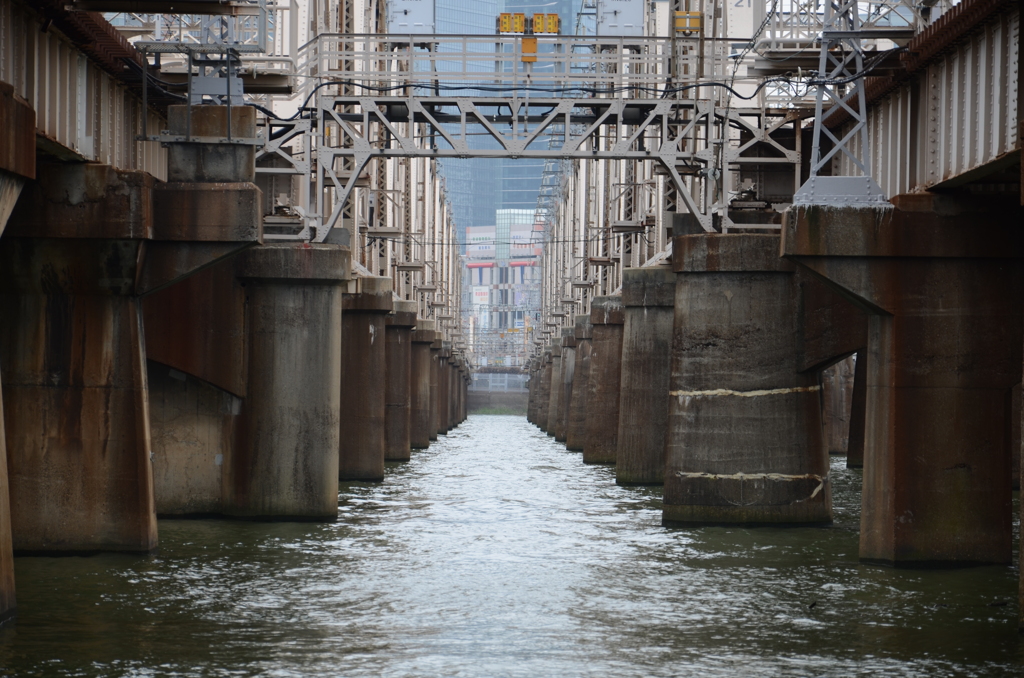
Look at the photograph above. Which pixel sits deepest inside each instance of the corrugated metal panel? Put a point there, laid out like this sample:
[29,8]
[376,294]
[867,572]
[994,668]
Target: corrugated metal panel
[957,115]
[78,105]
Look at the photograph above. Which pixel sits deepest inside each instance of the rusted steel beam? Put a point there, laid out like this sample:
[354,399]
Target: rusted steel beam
[929,45]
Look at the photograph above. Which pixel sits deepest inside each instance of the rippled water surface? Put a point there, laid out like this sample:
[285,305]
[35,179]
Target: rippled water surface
[498,553]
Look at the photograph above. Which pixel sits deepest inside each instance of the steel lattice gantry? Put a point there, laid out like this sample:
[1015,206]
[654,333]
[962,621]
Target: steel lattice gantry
[684,136]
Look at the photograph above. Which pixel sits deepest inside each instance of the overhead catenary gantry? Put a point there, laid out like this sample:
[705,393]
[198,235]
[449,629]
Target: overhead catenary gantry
[639,99]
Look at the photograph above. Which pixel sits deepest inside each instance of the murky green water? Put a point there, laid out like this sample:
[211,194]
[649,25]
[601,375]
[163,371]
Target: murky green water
[498,553]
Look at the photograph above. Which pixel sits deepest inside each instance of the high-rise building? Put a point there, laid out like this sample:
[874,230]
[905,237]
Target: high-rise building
[503,269]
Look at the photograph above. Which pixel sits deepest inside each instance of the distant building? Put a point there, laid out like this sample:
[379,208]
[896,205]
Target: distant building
[503,263]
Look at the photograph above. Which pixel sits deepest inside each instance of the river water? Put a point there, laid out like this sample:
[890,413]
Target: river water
[498,553]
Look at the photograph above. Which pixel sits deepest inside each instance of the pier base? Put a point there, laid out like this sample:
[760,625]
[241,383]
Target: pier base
[648,295]
[419,397]
[364,364]
[398,381]
[745,442]
[600,444]
[576,429]
[285,461]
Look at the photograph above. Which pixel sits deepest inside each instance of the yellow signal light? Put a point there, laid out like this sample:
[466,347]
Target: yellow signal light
[687,22]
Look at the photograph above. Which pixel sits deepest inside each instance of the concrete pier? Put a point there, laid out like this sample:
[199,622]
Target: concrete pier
[449,401]
[198,372]
[576,428]
[419,397]
[435,384]
[531,392]
[568,372]
[837,401]
[544,389]
[364,364]
[457,372]
[858,403]
[536,371]
[555,391]
[745,442]
[285,462]
[648,295]
[237,352]
[74,364]
[77,422]
[444,384]
[601,440]
[17,166]
[940,278]
[194,427]
[8,597]
[398,329]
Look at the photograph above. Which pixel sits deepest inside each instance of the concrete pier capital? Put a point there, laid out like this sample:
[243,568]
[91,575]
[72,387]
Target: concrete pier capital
[294,263]
[204,212]
[719,253]
[607,311]
[85,200]
[650,287]
[372,295]
[403,315]
[423,332]
[583,328]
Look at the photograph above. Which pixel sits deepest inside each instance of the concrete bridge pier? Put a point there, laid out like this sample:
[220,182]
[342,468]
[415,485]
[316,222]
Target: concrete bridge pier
[940,277]
[77,419]
[284,464]
[544,389]
[435,384]
[538,387]
[745,442]
[450,370]
[648,296]
[398,329]
[568,372]
[419,397]
[576,428]
[601,437]
[460,408]
[556,387]
[858,402]
[836,397]
[444,384]
[533,385]
[84,245]
[17,166]
[455,371]
[364,363]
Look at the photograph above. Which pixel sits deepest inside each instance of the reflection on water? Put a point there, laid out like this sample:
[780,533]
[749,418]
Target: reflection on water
[498,553]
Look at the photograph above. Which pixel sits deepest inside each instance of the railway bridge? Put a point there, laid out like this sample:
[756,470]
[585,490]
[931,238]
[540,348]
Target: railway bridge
[230,275]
